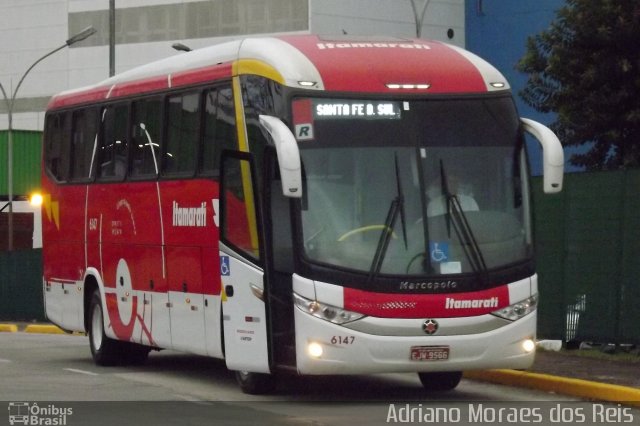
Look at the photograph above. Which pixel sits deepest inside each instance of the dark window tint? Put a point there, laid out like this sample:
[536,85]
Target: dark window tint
[145,143]
[83,140]
[57,145]
[219,128]
[182,134]
[260,96]
[239,221]
[113,142]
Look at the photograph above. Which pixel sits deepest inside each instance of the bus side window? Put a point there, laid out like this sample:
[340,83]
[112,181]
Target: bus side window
[239,224]
[113,143]
[83,139]
[145,137]
[57,146]
[219,128]
[182,112]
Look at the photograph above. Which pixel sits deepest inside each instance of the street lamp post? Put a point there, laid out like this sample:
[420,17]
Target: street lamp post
[419,19]
[87,32]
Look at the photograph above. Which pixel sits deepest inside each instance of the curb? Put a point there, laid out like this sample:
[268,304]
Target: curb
[43,329]
[8,328]
[36,329]
[562,385]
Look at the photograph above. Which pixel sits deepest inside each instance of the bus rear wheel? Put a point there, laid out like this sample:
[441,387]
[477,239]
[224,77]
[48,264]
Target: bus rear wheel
[440,381]
[104,350]
[255,383]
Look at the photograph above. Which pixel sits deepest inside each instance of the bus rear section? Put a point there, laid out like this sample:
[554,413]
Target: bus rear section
[356,222]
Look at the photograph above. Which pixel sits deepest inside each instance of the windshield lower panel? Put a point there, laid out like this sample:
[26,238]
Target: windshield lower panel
[425,189]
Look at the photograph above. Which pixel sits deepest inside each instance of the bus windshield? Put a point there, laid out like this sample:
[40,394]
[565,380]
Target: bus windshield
[413,187]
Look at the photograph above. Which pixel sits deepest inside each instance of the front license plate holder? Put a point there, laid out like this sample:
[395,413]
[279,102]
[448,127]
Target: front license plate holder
[429,353]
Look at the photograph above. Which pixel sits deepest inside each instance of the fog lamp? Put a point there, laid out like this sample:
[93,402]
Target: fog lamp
[528,345]
[315,350]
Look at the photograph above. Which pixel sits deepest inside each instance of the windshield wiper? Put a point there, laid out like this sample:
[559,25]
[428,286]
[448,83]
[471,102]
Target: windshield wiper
[396,208]
[457,217]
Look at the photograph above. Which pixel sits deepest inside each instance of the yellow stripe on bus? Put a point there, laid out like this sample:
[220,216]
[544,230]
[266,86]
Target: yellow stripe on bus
[243,145]
[256,67]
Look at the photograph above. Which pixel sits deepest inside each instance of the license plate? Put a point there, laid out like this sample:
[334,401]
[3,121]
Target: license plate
[429,353]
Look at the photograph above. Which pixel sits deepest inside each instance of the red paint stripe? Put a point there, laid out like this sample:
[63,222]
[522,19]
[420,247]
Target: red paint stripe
[122,331]
[91,95]
[139,86]
[201,75]
[390,305]
[146,85]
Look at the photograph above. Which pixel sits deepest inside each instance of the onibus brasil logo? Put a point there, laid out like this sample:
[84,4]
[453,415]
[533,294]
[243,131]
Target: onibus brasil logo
[27,413]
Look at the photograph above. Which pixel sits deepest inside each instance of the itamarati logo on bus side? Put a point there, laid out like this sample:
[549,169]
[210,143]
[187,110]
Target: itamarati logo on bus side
[189,216]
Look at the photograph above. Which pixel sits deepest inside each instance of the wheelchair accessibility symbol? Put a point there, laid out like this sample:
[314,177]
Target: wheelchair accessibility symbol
[225,269]
[439,251]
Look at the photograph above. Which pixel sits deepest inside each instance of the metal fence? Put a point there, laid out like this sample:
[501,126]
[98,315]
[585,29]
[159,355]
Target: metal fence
[27,147]
[588,250]
[21,285]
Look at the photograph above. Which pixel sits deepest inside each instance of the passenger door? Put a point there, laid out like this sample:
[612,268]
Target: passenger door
[245,322]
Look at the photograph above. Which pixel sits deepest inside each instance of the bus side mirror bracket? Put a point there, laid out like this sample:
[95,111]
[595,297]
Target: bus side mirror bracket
[288,155]
[552,154]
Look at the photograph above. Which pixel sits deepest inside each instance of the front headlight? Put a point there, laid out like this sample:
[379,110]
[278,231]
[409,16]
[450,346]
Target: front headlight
[519,309]
[324,311]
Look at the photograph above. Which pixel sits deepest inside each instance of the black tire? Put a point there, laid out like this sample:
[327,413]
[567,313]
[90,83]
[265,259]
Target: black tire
[255,383]
[104,350]
[440,381]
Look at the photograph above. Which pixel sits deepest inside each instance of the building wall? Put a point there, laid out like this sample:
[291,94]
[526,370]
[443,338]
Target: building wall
[28,30]
[389,17]
[497,30]
[145,30]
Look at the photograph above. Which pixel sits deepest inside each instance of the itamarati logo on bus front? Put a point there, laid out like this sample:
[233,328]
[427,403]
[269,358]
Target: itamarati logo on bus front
[451,303]
[26,413]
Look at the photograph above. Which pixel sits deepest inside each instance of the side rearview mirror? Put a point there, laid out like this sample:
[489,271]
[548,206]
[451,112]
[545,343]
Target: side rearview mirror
[552,154]
[288,155]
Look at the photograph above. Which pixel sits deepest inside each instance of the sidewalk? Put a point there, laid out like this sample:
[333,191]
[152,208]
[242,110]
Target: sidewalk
[568,373]
[563,372]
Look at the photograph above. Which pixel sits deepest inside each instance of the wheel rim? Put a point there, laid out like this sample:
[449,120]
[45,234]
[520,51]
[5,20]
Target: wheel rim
[96,327]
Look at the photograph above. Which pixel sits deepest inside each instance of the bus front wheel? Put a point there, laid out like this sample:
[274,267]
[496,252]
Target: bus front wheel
[440,381]
[255,383]
[105,351]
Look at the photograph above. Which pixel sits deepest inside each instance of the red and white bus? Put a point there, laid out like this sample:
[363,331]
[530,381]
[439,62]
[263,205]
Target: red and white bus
[297,203]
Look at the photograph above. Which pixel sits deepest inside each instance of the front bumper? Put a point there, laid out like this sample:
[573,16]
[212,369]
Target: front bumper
[346,351]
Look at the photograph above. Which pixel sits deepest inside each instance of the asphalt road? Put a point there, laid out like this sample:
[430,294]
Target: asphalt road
[52,378]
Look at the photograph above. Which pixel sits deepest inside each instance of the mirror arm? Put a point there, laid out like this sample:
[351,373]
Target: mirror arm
[552,154]
[288,155]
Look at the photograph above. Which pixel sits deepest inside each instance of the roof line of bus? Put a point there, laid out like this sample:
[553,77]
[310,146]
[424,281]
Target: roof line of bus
[307,61]
[265,56]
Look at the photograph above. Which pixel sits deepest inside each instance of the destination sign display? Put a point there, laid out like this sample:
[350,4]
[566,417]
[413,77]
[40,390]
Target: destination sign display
[334,109]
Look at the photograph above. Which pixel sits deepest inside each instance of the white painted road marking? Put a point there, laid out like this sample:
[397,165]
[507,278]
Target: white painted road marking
[73,370]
